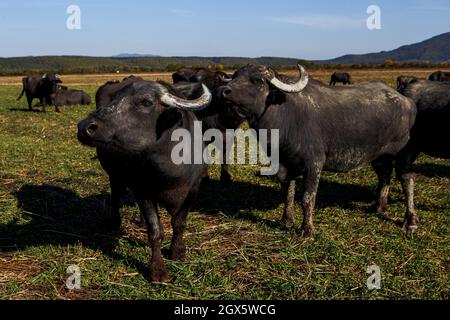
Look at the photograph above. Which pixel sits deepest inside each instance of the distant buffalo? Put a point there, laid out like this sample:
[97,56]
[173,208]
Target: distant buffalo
[403,81]
[105,94]
[69,97]
[440,76]
[40,87]
[341,77]
[209,78]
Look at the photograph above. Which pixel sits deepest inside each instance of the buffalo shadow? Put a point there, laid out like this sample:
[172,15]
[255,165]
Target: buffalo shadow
[240,199]
[432,170]
[60,217]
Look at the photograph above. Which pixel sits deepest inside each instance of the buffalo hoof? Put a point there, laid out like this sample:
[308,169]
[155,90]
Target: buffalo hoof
[307,231]
[382,210]
[287,222]
[410,223]
[159,274]
[178,254]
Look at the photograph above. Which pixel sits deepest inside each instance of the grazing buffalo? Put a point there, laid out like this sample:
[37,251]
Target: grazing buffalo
[341,77]
[430,133]
[440,76]
[105,93]
[69,97]
[217,116]
[136,128]
[40,87]
[323,128]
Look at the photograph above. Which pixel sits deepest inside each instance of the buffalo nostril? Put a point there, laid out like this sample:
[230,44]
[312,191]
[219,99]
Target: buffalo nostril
[226,92]
[91,128]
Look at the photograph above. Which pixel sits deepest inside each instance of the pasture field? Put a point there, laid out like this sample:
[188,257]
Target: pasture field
[54,195]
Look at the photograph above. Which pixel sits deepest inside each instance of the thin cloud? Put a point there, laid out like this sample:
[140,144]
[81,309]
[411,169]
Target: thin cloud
[323,21]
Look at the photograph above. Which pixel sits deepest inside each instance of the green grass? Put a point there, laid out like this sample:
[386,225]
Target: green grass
[53,197]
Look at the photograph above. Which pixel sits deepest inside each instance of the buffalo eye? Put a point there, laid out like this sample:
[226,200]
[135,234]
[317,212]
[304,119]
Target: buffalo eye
[145,102]
[257,81]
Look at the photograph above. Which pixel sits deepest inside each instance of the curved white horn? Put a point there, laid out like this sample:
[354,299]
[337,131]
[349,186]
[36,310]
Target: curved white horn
[190,105]
[294,87]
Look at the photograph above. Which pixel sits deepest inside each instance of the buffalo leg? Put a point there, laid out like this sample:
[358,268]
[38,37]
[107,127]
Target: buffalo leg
[311,184]
[158,271]
[383,167]
[404,172]
[289,203]
[30,102]
[177,247]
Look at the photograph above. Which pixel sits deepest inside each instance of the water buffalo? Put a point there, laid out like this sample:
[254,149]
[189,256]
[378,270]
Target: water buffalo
[184,74]
[68,97]
[440,76]
[323,128]
[210,78]
[341,77]
[105,93]
[217,116]
[40,87]
[431,131]
[136,128]
[403,81]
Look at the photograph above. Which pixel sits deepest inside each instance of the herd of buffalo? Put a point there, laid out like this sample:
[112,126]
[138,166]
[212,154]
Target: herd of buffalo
[321,128]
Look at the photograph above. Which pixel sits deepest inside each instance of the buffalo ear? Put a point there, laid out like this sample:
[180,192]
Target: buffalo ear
[276,97]
[168,119]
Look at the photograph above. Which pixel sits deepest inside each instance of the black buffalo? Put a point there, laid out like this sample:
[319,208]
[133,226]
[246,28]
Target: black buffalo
[323,128]
[136,128]
[217,116]
[69,97]
[341,77]
[403,81]
[39,87]
[431,130]
[105,94]
[441,76]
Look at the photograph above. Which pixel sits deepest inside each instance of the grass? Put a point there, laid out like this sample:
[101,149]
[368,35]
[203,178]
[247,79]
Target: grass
[53,196]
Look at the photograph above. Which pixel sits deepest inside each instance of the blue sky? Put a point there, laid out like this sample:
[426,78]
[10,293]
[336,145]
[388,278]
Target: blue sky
[289,28]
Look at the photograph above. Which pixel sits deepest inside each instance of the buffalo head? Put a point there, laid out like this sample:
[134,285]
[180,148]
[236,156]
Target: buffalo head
[254,87]
[137,118]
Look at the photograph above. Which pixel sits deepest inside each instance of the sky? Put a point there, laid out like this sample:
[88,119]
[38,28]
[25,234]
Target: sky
[310,29]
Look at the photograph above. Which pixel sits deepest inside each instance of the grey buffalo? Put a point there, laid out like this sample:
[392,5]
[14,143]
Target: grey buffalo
[136,128]
[323,128]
